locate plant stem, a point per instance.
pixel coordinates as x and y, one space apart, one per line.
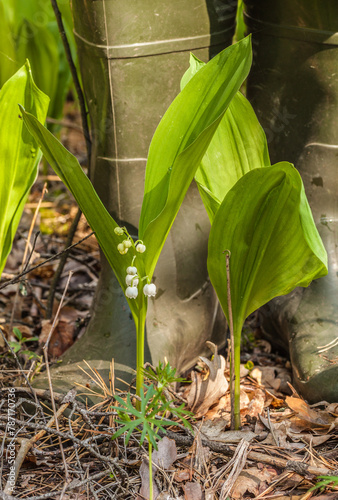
237 385
150 471
140 337
232 345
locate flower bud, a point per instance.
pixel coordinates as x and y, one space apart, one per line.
119 231
140 248
126 243
121 248
131 280
149 290
131 270
131 292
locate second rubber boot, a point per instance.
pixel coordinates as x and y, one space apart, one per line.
132 56
293 87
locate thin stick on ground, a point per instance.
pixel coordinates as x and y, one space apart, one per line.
45 352
23 264
232 341
239 460
85 128
54 257
62 263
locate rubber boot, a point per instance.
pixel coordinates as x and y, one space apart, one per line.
132 57
293 87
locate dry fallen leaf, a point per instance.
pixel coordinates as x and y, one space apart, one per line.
256 405
61 339
317 418
244 483
164 457
214 431
204 393
272 377
192 491
182 475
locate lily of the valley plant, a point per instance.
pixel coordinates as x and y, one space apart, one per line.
259 215
176 150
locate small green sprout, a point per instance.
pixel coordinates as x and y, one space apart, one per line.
18 345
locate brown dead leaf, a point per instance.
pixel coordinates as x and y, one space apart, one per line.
61 339
192 491
214 431
164 457
182 475
312 416
205 393
332 408
244 483
256 405
272 378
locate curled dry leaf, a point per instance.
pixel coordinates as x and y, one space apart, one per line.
244 483
316 418
205 393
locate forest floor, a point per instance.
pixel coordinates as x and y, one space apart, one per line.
283 446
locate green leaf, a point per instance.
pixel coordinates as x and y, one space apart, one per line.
37 43
195 65
8 63
17 333
16 346
70 172
266 224
19 153
181 141
238 146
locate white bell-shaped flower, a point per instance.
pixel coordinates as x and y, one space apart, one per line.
119 231
131 280
140 248
131 292
131 270
149 290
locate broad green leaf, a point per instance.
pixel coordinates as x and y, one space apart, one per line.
195 65
238 146
61 73
19 152
182 139
70 172
8 62
37 43
266 224
29 31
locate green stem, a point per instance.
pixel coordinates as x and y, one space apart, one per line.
140 336
150 471
237 363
